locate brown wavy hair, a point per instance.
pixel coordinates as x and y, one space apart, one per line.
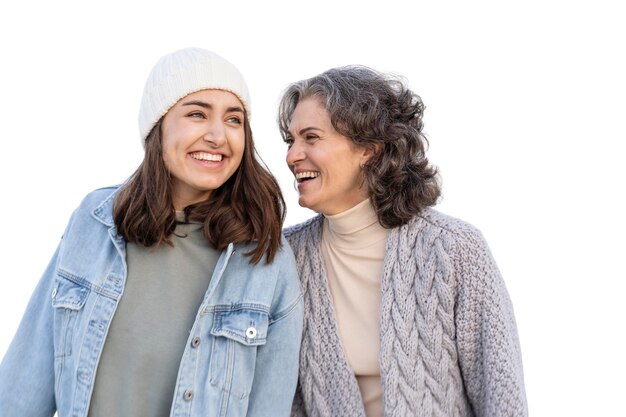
379 112
247 208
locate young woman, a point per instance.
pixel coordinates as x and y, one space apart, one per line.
174 294
406 313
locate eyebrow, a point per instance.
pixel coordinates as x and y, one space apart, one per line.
208 106
306 129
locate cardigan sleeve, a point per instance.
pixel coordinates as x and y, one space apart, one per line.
487 340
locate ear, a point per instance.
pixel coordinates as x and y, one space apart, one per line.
369 152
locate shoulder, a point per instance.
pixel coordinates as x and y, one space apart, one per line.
96 205
307 231
281 267
447 224
86 236
284 259
462 241
453 233
302 228
97 197
274 285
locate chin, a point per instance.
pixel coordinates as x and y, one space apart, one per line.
303 203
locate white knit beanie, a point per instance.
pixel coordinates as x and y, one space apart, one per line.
184 72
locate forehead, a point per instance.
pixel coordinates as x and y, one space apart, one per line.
213 96
309 111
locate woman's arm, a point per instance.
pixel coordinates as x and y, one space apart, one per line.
27 370
487 340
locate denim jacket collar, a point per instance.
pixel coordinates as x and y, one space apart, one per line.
104 214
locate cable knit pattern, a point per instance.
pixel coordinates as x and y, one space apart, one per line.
449 343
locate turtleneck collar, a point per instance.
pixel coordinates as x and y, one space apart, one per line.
356 227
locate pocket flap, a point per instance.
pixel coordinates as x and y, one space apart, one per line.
246 326
68 294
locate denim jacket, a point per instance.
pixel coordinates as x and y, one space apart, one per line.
241 358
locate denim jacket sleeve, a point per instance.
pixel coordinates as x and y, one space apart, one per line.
276 373
27 376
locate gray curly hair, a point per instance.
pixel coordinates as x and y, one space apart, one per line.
379 112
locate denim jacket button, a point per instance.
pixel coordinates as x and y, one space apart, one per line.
195 342
188 395
251 332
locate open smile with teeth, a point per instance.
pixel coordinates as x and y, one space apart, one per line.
205 156
307 175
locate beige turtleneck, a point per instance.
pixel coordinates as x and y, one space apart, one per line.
353 247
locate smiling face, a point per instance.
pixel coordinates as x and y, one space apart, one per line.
326 164
203 141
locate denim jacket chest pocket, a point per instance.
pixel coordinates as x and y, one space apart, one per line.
237 333
68 298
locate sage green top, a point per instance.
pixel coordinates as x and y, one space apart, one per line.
137 372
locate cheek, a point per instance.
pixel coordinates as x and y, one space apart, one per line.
166 152
166 142
239 146
169 154
350 177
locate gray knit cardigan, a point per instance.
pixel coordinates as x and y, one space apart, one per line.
448 339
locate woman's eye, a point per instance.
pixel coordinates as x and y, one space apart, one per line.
288 142
196 114
234 119
312 137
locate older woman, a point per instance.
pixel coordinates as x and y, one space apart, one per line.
406 313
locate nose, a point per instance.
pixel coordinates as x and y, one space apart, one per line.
295 153
215 134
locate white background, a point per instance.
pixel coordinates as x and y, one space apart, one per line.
525 110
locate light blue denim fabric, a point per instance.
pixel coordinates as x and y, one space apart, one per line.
241 358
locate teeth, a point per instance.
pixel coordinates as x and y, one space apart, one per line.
307 174
205 156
